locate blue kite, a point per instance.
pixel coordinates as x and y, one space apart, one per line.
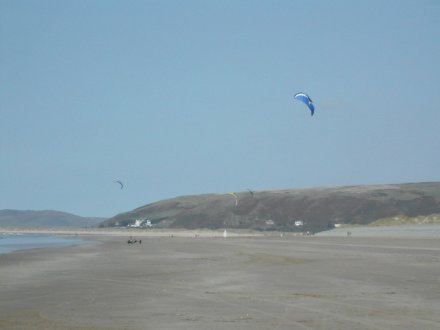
306 100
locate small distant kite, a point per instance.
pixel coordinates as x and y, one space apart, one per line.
122 185
306 100
235 196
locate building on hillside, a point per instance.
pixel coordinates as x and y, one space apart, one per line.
299 223
141 223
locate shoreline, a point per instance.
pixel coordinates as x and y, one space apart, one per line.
429 230
132 232
84 236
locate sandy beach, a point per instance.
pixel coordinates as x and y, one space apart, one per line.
254 282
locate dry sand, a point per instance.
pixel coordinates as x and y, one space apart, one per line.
215 283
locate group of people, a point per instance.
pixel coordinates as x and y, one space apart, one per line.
131 240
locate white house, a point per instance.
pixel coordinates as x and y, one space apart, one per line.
138 223
299 223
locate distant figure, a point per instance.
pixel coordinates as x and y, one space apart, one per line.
348 233
140 241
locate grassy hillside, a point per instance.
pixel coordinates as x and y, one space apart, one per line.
319 208
405 220
47 218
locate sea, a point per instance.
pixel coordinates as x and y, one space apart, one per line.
417 231
10 242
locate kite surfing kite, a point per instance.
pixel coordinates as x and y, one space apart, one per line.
122 185
235 196
304 98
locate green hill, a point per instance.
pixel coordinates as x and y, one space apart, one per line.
318 208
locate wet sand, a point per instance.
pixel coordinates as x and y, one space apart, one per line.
215 283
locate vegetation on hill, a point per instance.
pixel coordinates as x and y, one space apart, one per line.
405 220
316 208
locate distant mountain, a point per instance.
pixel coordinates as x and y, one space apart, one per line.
47 218
317 208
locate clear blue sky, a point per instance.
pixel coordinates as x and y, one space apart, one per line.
188 97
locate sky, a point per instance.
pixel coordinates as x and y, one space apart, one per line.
190 97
